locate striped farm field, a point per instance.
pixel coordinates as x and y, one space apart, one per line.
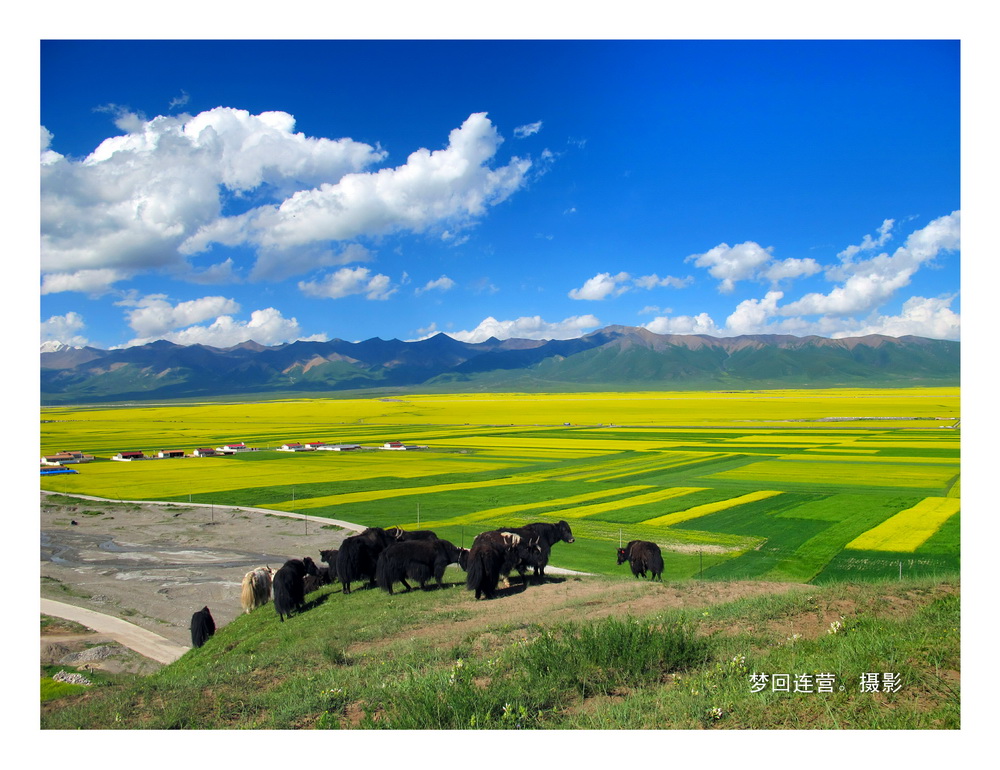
908 530
850 473
765 484
704 510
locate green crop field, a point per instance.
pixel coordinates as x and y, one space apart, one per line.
779 485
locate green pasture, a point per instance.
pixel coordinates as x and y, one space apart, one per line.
833 465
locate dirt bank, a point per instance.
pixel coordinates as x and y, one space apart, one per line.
154 565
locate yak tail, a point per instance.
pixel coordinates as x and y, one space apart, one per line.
482 573
383 575
247 592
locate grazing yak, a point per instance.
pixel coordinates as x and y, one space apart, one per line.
256 589
402 535
494 554
418 560
643 556
547 536
330 558
289 585
358 556
202 627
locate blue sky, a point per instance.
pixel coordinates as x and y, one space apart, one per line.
217 191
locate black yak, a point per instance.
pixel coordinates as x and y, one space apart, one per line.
547 535
402 535
359 554
492 555
289 587
418 560
202 627
330 558
642 556
256 589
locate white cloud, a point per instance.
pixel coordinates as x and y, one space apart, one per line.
266 327
154 317
604 285
152 197
751 316
684 324
85 281
920 316
601 286
527 130
444 283
452 186
532 328
730 264
64 329
868 243
791 268
348 281
869 283
654 281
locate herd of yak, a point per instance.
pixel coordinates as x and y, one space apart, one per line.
384 557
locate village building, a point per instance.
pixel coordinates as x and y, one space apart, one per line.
398 446
66 457
339 447
204 452
229 449
166 453
129 455
294 447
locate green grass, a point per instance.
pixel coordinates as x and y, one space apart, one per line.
359 661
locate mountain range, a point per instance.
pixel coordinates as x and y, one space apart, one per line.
615 357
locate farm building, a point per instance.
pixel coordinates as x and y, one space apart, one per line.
315 444
165 453
339 447
294 448
66 457
229 449
204 452
398 445
129 455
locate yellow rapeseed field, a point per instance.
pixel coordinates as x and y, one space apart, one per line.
707 508
909 529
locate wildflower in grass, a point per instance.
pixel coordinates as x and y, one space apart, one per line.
716 713
835 627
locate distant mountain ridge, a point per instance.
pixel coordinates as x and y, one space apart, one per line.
613 357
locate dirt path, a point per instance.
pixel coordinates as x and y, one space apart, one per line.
155 564
144 642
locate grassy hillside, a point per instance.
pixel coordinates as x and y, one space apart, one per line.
585 653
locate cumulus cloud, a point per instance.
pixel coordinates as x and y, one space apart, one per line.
920 316
601 286
136 198
529 327
684 324
93 282
869 283
444 283
64 329
604 285
348 281
154 317
154 196
266 327
730 264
